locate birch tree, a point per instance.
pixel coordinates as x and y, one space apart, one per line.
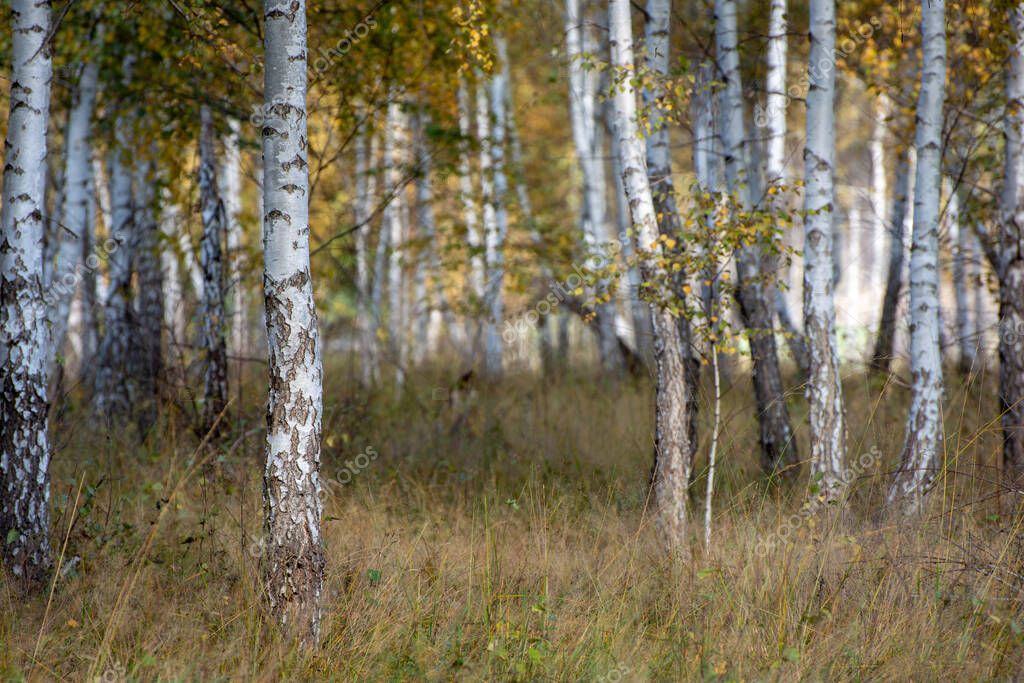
494 239
212 343
1011 262
672 448
582 109
470 213
230 186
24 442
394 224
964 277
885 343
431 303
922 450
174 290
293 567
112 391
824 388
147 351
659 175
366 186
639 327
775 157
778 447
74 210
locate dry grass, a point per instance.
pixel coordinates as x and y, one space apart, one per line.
504 538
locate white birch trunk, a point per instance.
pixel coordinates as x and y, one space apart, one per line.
90 334
639 327
74 211
824 388
365 196
112 392
672 461
1011 263
294 555
959 236
588 146
778 447
433 304
885 345
471 217
395 225
775 157
212 344
492 363
494 238
922 451
175 319
24 442
659 175
775 83
230 186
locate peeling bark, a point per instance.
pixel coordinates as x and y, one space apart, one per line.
24 442
1011 265
112 384
824 387
212 344
293 562
672 449
922 450
778 446
659 176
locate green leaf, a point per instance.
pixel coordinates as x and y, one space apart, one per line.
374 576
791 654
12 536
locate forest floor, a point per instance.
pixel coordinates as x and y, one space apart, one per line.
501 534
